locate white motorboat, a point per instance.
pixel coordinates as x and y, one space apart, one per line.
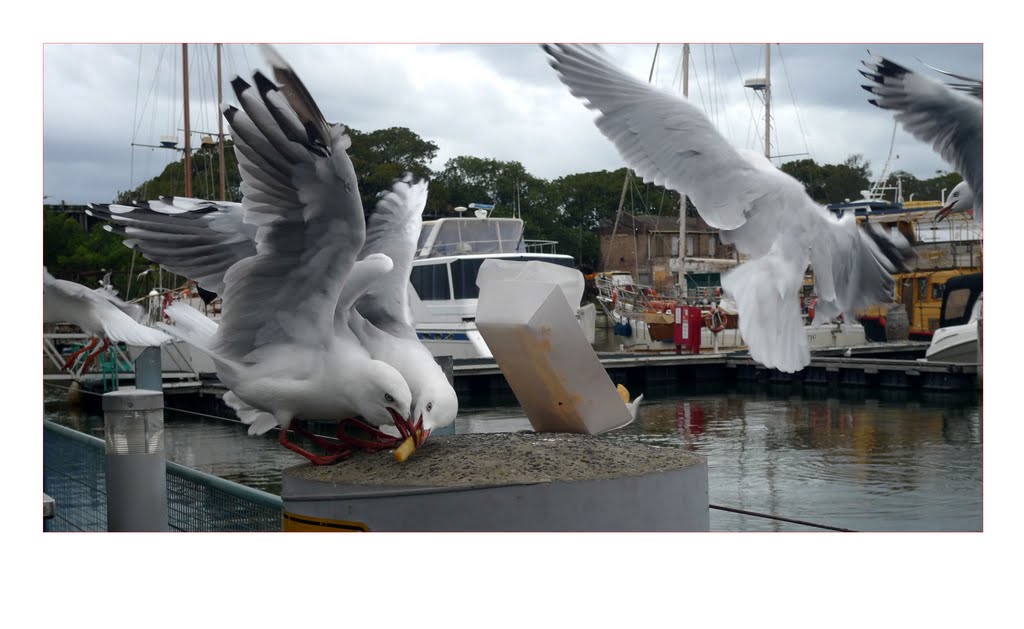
444 273
956 340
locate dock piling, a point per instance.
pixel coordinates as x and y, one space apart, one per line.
135 460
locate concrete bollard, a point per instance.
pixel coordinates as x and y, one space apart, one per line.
148 372
135 460
447 364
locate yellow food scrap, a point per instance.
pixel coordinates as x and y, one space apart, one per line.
623 393
405 450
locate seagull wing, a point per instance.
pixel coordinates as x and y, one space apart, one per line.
198 239
971 85
94 313
393 229
299 190
661 136
135 311
933 112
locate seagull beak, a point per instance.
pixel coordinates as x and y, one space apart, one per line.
421 434
407 428
401 423
944 212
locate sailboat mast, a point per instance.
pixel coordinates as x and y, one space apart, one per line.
767 100
188 131
220 128
682 195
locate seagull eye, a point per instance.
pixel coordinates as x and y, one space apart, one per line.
387 396
430 406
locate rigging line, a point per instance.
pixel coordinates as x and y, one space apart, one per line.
750 104
792 95
779 518
166 408
135 118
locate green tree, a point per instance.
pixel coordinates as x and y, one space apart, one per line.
379 157
831 183
205 178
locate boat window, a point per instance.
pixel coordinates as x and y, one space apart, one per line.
922 288
424 234
956 303
937 291
430 281
511 232
462 236
464 274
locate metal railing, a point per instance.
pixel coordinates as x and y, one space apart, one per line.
74 476
116 361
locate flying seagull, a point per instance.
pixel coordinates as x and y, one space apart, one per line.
766 213
100 314
941 115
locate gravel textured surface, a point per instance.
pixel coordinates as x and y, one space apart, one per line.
503 459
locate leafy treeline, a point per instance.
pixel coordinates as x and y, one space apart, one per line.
568 210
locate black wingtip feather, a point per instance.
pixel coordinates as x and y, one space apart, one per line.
263 84
897 256
239 85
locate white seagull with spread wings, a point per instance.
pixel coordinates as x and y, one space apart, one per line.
766 213
99 313
946 116
202 239
280 348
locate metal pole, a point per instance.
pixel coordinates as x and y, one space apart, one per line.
135 460
682 195
188 130
767 100
220 130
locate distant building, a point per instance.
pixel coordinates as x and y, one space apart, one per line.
647 247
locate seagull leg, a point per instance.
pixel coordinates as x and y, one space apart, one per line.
73 357
337 452
378 440
91 357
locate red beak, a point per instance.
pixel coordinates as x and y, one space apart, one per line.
944 212
407 428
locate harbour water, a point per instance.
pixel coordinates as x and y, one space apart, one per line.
864 460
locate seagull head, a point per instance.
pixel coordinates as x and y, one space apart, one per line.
960 199
387 399
435 407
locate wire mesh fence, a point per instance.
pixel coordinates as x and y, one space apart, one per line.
74 476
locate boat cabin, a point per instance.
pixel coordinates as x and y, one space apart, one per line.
958 299
450 251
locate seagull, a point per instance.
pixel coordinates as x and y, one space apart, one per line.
942 115
202 239
766 213
960 199
99 313
280 348
383 319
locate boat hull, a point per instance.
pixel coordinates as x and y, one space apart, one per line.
955 344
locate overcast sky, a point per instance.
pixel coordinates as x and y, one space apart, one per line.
497 101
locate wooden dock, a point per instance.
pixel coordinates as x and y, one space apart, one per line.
888 366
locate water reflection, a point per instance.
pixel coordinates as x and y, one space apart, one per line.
864 460
866 465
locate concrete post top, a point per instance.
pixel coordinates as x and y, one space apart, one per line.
490 459
132 399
